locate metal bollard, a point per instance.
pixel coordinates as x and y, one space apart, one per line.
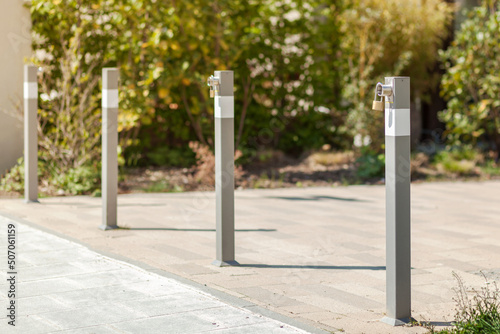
109 185
396 91
30 134
221 88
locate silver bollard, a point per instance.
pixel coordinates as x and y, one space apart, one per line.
30 134
222 89
109 178
397 184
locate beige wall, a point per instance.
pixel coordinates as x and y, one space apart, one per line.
15 46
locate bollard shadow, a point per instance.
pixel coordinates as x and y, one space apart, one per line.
92 206
438 323
193 229
317 198
141 204
289 266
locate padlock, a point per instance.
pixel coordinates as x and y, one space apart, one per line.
213 83
378 105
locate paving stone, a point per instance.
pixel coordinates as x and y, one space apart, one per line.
330 237
176 323
300 308
176 303
47 286
257 328
192 269
108 313
41 258
95 294
40 304
32 324
92 296
267 296
92 330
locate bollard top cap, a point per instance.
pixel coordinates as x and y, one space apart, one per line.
30 73
400 97
110 77
226 85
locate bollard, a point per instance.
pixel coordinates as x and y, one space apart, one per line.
221 88
109 178
397 184
30 134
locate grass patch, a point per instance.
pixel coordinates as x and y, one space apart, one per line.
163 187
332 158
490 168
458 161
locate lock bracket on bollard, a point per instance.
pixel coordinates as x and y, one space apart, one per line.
381 90
214 84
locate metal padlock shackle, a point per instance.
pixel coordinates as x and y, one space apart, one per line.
213 83
381 90
378 91
378 105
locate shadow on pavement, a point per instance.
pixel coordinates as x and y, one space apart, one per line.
289 266
438 323
318 198
92 206
193 229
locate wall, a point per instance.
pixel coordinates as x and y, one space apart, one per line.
15 46
460 6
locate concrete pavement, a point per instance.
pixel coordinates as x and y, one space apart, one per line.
63 287
315 255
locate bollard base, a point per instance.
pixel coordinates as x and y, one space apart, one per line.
107 227
396 322
30 201
219 263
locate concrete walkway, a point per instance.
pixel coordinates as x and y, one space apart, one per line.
315 255
64 287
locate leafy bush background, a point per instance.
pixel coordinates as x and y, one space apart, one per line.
471 84
304 72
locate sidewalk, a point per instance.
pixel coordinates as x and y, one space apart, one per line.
316 255
66 288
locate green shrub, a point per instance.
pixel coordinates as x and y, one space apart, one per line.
370 164
74 181
471 84
462 161
491 168
388 38
14 179
169 156
71 51
77 181
301 67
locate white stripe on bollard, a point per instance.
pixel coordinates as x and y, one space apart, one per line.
397 122
31 90
224 107
110 98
